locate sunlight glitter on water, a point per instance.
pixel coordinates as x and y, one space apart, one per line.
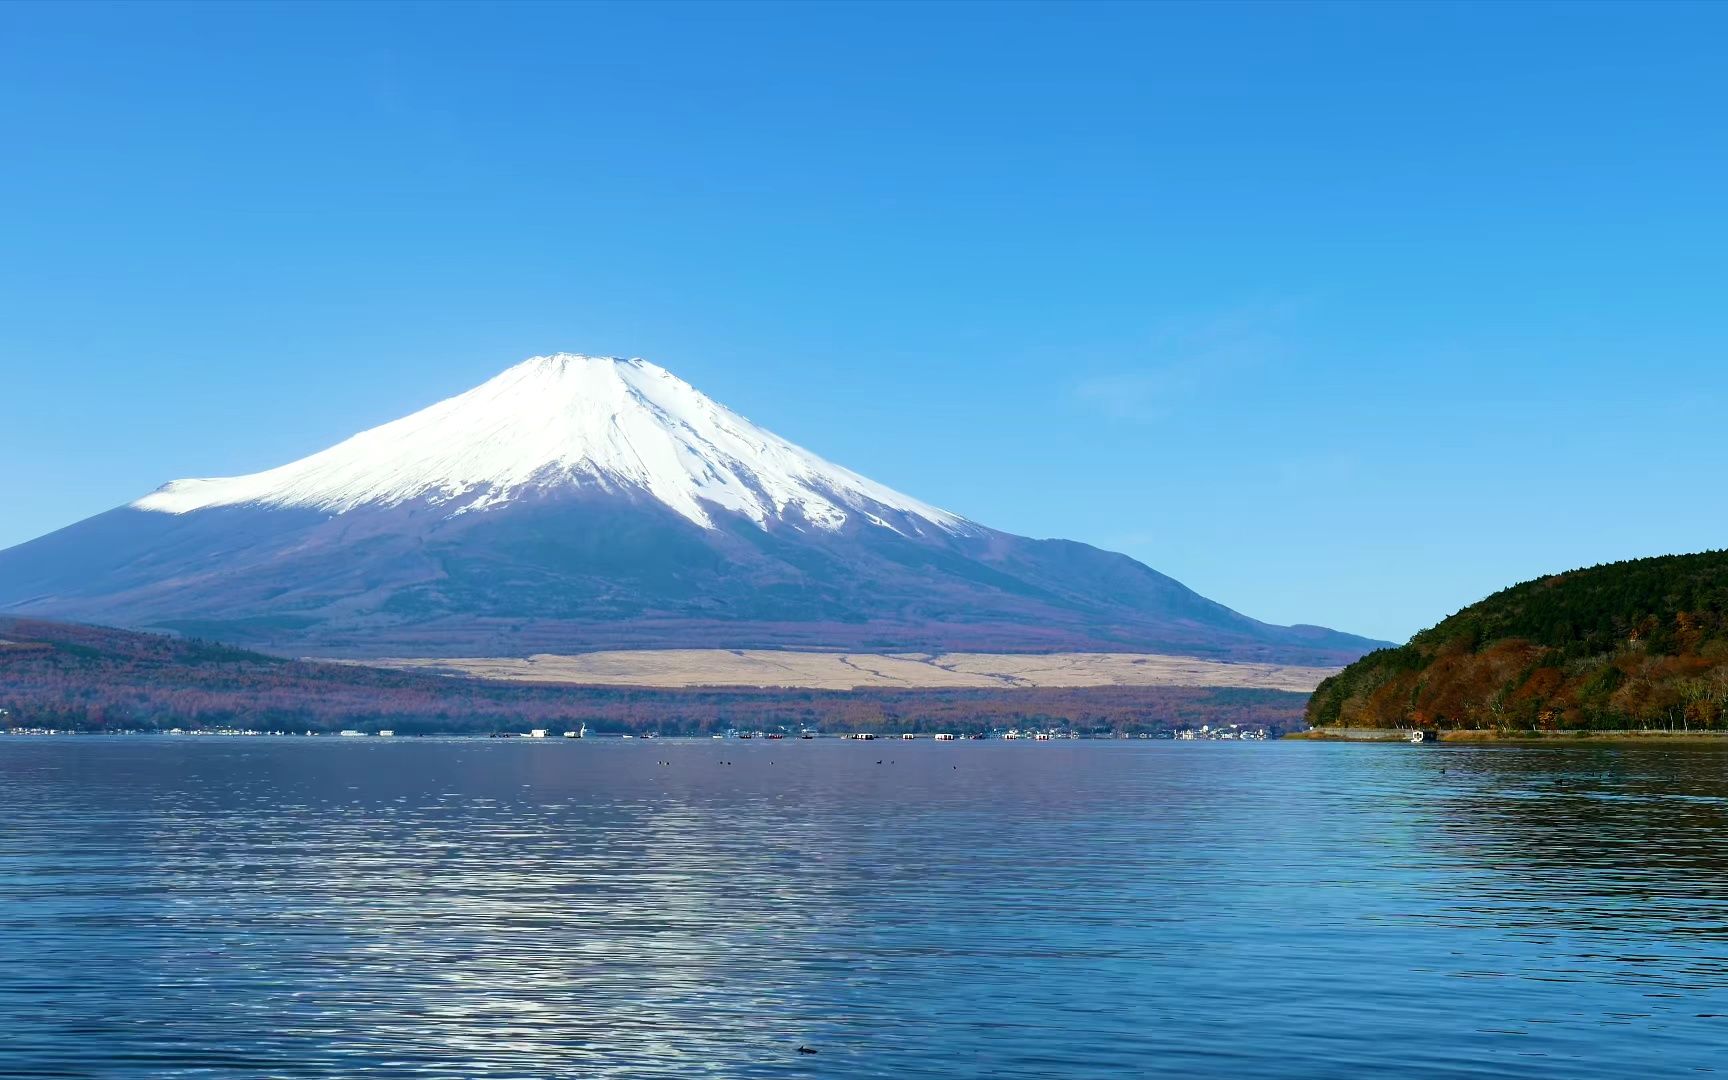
473 908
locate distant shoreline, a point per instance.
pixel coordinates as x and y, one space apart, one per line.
1487 735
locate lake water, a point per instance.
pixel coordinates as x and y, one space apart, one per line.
345 908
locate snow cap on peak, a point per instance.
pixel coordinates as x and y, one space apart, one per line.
560 361
566 420
561 364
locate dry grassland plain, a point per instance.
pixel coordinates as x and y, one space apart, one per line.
769 668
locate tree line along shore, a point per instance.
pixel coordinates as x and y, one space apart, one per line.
1635 649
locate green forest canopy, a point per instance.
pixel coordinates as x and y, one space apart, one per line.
1642 643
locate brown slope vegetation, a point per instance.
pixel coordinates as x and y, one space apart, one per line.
71 676
1635 644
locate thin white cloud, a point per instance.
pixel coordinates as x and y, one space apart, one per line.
1179 362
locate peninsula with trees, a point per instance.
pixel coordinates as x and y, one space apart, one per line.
1635 646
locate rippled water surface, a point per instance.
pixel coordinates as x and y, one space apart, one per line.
329 907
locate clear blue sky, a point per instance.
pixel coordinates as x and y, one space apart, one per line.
1340 314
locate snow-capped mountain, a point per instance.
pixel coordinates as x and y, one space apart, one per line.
575 503
569 422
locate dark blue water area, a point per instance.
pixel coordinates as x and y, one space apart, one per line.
324 907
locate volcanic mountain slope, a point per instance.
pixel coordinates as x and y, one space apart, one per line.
575 503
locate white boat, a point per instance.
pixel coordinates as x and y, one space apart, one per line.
352 734
537 733
386 733
945 737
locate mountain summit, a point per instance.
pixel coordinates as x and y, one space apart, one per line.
575 503
569 422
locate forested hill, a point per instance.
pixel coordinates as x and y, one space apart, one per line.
1634 644
60 675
